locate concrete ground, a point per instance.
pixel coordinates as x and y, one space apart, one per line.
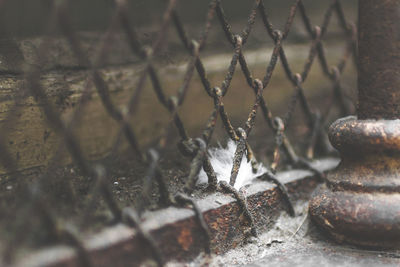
297 242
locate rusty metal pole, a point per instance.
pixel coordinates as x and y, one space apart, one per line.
360 202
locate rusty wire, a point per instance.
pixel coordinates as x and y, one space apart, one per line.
194 148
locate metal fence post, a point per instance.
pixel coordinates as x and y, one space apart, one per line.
360 202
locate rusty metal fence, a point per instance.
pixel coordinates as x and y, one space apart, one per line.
194 148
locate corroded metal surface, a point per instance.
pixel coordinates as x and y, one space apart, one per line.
360 202
178 235
368 219
379 59
370 155
351 135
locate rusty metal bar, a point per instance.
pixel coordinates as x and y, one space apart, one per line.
360 202
176 230
379 59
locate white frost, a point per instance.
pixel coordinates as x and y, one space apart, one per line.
222 161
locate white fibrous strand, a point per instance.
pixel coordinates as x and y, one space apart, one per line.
221 159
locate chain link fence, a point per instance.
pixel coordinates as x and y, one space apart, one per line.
33 199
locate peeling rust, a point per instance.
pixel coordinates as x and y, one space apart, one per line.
180 237
360 202
185 239
367 219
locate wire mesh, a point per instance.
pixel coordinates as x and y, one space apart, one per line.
33 211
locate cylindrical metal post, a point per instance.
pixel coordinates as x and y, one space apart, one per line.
360 202
379 59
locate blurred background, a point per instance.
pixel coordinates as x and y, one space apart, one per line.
33 144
